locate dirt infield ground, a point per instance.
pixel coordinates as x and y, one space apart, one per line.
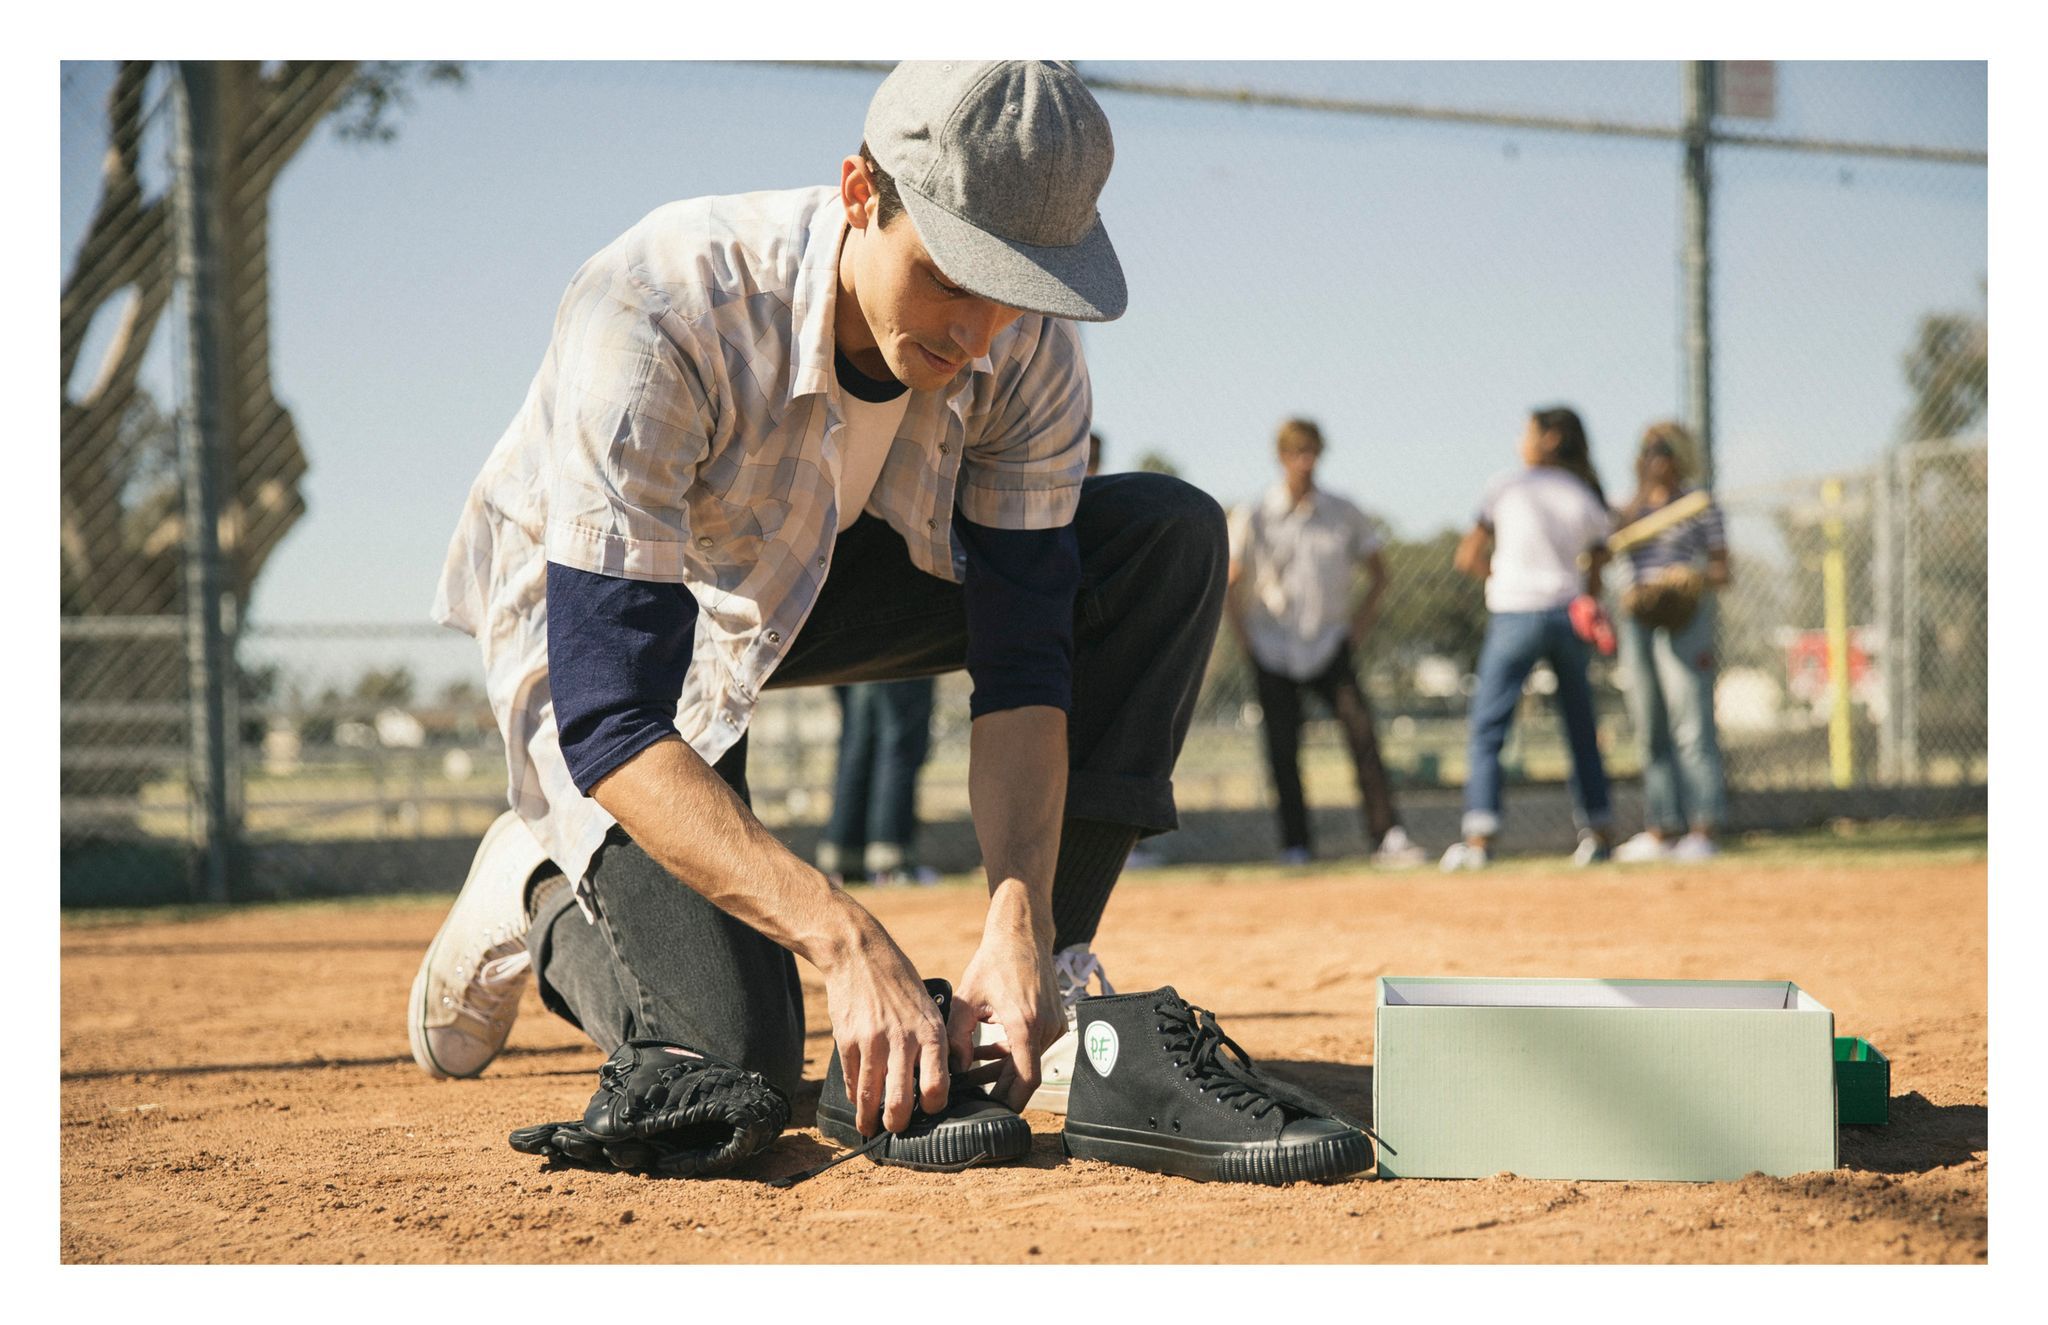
237 1086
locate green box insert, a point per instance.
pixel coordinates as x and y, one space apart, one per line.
1863 1082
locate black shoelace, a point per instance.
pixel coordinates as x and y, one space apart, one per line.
1199 1047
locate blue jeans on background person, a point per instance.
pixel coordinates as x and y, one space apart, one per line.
1670 687
1515 643
884 736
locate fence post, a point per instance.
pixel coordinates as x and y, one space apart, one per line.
1699 263
200 423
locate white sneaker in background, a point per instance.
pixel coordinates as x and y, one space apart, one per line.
1396 851
1072 969
1694 846
1462 856
1642 847
1592 851
466 995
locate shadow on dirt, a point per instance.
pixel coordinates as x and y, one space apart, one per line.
1347 1087
302 1065
1921 1136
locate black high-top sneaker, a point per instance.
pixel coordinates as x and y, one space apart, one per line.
1159 1086
971 1129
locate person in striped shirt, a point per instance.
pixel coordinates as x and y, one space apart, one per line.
1670 670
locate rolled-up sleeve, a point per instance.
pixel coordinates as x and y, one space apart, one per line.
1019 589
633 420
1024 469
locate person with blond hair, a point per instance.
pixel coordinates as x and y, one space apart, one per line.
1293 556
1668 655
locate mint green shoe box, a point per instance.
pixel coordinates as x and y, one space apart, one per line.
1644 1080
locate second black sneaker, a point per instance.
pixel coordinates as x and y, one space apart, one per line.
971 1129
1159 1086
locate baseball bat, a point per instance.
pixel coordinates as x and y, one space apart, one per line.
1657 521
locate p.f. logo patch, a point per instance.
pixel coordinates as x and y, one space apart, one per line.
1100 1041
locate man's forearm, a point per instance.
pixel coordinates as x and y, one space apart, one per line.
1596 565
682 814
1017 792
1368 611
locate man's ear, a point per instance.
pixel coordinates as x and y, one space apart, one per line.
857 192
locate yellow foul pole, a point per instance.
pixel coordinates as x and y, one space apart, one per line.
1835 591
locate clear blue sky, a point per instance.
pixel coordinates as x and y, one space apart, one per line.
1415 287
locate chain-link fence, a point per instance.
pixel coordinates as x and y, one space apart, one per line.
1851 641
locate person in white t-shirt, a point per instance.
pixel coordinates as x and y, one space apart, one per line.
1539 541
1294 554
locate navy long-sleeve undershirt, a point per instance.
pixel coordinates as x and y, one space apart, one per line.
618 649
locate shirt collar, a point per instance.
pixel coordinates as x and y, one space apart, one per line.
1280 502
816 295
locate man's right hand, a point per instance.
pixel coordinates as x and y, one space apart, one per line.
887 1030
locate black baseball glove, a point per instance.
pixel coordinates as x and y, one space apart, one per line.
667 1109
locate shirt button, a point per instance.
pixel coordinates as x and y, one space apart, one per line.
729 720
704 542
821 563
945 449
774 638
931 524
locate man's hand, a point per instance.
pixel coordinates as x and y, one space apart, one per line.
1009 981
883 1020
887 1028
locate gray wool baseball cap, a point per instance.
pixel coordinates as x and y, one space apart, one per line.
999 163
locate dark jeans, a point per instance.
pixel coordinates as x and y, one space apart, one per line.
661 962
1515 642
885 731
1280 701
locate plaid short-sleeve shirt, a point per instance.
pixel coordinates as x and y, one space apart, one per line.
684 428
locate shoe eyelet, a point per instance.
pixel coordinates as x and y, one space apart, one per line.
1152 1123
1176 1124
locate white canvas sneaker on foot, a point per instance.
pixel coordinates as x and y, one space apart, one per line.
1642 847
1462 856
466 996
1397 852
1694 846
1072 969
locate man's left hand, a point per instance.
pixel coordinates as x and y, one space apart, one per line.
1009 982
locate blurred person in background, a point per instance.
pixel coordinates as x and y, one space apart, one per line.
1294 555
1539 544
885 732
1667 649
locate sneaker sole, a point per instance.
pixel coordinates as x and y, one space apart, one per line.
416 1028
1221 1161
991 1141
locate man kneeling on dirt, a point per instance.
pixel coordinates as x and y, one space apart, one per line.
808 438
